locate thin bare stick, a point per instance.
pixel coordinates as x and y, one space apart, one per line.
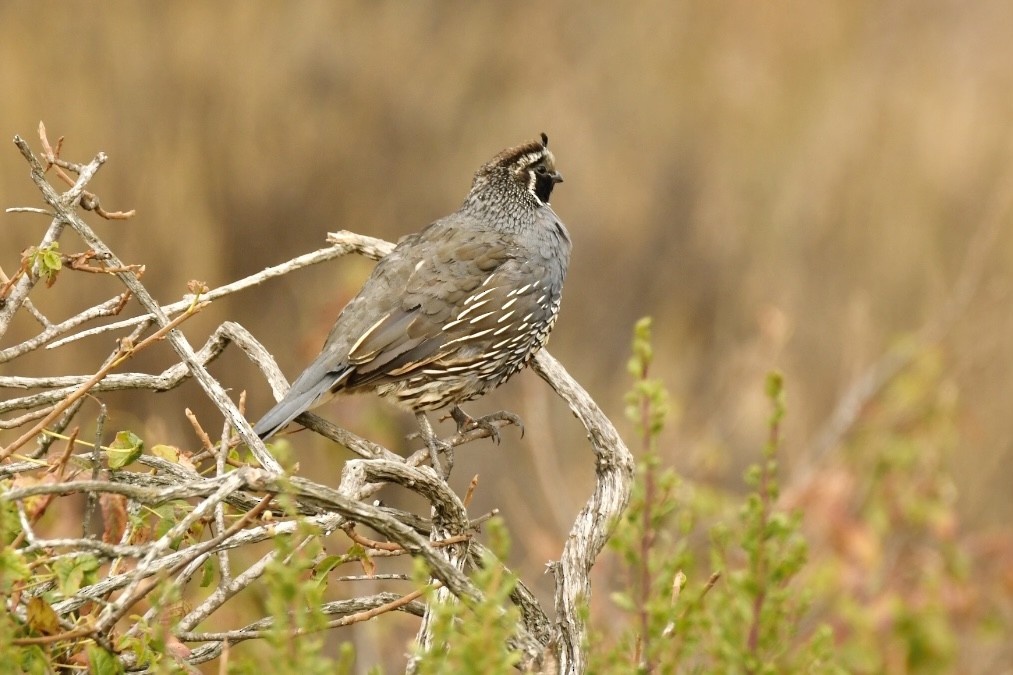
305 260
173 376
110 307
124 353
19 293
370 543
89 201
375 605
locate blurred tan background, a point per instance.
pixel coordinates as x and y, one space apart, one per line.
781 185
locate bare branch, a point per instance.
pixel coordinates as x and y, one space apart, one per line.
125 352
145 495
305 260
343 608
19 293
262 628
614 468
108 308
61 387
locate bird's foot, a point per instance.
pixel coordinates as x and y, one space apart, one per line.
466 422
436 446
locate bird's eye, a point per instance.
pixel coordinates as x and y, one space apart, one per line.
541 169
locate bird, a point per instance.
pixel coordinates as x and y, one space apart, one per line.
455 309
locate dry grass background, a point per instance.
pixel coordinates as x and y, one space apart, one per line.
781 185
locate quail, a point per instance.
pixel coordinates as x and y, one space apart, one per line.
455 309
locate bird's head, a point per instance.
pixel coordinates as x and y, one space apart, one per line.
529 167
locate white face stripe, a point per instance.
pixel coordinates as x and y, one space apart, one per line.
525 162
532 157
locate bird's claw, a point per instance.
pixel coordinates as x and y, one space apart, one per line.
466 422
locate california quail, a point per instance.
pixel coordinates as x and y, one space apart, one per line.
454 310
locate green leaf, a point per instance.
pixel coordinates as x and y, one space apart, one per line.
12 568
166 452
48 260
323 567
775 384
168 516
101 662
73 573
52 262
208 573
125 449
33 661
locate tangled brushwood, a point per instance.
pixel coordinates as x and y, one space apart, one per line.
158 522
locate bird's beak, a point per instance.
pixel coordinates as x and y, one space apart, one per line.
556 177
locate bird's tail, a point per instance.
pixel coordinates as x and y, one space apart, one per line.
308 391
